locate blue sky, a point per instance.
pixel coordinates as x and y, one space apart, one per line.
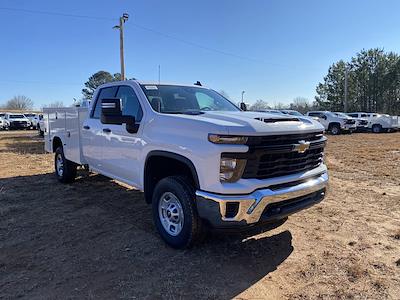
274 50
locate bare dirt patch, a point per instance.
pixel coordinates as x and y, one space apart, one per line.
95 238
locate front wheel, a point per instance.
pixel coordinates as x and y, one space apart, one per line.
174 212
335 129
65 169
376 128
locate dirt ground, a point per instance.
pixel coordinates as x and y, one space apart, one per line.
95 238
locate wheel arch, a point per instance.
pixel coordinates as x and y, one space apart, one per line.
56 142
169 164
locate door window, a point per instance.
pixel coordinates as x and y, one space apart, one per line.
130 103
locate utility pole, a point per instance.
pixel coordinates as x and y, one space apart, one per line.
346 75
122 21
242 95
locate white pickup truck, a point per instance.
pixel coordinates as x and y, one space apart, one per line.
201 161
334 123
378 122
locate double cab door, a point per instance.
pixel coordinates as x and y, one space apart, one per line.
110 149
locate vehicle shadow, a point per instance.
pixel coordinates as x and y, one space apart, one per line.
96 239
25 143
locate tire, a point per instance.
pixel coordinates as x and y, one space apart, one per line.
65 169
175 214
376 128
334 129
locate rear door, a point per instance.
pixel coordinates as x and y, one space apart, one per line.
92 131
121 148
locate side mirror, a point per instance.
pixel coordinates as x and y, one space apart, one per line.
243 106
323 117
111 113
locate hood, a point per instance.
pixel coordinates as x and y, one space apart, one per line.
257 123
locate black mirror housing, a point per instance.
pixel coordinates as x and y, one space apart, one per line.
111 113
243 106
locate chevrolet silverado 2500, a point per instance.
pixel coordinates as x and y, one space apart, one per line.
200 160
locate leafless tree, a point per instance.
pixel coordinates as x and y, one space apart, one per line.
19 102
54 104
259 105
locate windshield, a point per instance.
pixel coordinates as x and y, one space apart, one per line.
292 112
173 99
29 115
342 115
16 116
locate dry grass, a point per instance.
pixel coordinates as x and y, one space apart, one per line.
95 238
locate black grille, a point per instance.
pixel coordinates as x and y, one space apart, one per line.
350 121
363 122
18 123
274 156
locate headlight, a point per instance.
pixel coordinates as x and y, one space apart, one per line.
227 139
231 169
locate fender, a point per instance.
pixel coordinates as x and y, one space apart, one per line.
178 157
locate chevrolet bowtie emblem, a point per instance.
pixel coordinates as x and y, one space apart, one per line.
302 146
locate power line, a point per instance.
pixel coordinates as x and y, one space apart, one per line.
39 82
166 35
50 13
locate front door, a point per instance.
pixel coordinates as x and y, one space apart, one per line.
92 131
122 149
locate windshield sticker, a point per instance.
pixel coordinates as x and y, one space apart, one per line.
150 87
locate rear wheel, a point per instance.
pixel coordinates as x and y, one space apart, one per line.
65 169
174 212
376 128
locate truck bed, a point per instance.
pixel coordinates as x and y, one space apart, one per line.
66 123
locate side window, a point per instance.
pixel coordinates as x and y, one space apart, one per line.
104 93
130 102
353 115
364 116
314 114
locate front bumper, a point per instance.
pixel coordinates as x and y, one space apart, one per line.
264 205
348 127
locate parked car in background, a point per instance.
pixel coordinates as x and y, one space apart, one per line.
291 112
41 126
33 118
4 124
361 123
333 123
378 122
17 121
200 160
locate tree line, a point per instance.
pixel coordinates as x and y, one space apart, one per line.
373 83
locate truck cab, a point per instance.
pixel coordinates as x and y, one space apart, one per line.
201 162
